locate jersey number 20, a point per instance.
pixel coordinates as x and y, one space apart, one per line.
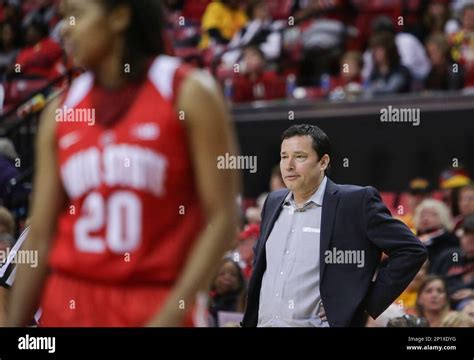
120 213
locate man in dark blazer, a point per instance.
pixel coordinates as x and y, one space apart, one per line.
318 258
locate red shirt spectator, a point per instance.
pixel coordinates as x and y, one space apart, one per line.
253 82
40 58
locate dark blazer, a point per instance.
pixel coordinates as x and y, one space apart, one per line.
353 218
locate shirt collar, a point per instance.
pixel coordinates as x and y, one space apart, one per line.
316 198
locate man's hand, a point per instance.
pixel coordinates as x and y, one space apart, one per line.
322 313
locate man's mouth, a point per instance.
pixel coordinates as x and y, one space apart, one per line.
291 177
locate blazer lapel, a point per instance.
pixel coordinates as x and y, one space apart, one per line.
328 216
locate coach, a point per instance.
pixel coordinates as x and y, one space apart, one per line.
317 260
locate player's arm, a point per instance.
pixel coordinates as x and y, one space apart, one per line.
210 134
48 197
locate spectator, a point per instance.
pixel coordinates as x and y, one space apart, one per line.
444 74
433 227
436 19
276 181
247 240
462 43
10 45
411 51
457 265
466 205
260 31
451 181
221 20
407 300
254 82
349 83
432 302
419 189
457 319
41 52
389 76
227 290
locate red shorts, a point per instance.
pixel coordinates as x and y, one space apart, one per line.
71 302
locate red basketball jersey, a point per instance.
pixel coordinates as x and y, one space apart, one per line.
133 211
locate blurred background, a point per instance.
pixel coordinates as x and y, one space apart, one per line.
338 64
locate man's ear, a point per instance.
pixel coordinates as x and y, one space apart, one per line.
325 160
120 19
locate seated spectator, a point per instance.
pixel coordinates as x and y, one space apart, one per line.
457 319
247 240
465 205
462 43
411 52
389 76
260 31
443 75
433 302
419 189
12 12
407 299
456 265
436 19
349 83
253 82
9 46
276 180
221 20
451 180
433 227
227 290
408 321
41 52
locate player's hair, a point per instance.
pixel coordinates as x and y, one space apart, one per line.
145 35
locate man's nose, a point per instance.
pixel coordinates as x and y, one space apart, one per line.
290 164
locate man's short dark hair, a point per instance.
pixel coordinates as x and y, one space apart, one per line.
321 143
468 224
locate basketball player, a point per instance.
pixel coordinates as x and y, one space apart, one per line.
130 212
